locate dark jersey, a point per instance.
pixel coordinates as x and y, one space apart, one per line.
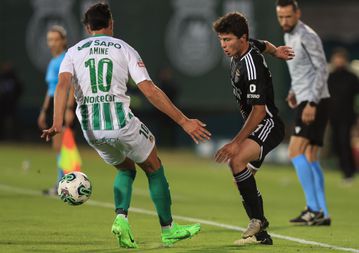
252 81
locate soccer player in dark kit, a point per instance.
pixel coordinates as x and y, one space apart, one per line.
263 130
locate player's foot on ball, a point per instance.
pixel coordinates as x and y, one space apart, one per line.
254 227
179 232
122 230
260 238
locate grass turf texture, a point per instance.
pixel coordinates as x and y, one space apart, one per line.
200 189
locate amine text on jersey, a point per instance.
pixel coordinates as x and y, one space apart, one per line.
101 67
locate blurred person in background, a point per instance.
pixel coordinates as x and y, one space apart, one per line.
309 96
57 43
102 66
10 92
343 87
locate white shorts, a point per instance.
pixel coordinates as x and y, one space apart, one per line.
134 141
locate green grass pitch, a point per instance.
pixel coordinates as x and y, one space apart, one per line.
200 189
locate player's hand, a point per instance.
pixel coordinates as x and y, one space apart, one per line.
284 52
291 99
226 153
69 117
196 129
47 134
41 120
308 114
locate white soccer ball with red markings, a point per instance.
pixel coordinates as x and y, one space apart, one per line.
74 188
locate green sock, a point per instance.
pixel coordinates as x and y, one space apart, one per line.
161 196
122 188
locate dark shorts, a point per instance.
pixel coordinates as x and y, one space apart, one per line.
268 135
314 132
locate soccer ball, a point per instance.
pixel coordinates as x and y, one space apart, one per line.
74 188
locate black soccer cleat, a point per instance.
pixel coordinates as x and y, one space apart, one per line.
307 217
324 221
264 238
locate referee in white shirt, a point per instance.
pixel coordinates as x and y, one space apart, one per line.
309 97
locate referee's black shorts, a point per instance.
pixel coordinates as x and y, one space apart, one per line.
268 135
314 132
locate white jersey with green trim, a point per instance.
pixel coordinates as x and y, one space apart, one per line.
101 67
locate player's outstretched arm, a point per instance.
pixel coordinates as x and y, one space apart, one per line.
282 52
60 100
193 127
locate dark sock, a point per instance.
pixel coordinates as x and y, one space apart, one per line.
261 203
248 210
248 189
160 194
123 190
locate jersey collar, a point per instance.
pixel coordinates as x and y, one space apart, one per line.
100 34
248 51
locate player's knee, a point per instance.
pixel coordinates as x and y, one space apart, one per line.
311 157
294 151
151 164
237 164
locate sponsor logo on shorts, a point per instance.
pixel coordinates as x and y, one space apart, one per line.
253 96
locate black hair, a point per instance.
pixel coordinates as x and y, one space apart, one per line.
284 3
98 16
233 22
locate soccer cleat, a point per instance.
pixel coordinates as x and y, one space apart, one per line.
260 238
179 232
307 217
254 227
122 230
322 221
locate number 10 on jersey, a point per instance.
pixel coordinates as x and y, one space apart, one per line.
96 79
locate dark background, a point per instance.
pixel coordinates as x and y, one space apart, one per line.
175 34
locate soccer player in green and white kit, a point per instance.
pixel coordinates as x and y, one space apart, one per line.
101 66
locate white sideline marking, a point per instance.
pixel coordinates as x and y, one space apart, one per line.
190 219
